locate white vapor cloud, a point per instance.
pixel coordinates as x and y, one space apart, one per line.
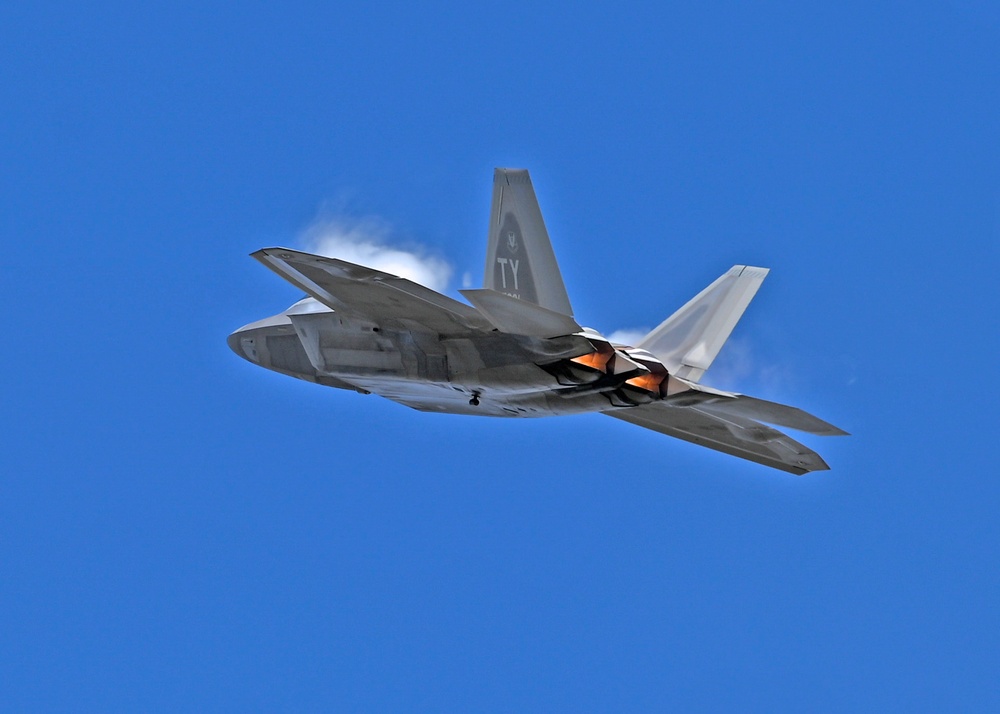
628 336
734 365
739 368
366 241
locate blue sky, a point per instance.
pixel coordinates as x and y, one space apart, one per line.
182 531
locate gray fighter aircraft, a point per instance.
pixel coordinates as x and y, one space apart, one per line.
517 351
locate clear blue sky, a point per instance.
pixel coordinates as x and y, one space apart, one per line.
181 531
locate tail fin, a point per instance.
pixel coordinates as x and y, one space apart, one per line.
519 257
689 340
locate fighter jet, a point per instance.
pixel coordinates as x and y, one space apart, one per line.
516 350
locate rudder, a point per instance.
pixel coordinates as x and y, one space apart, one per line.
520 261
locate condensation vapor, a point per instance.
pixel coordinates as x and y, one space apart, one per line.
369 242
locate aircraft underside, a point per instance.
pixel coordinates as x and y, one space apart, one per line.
483 375
515 349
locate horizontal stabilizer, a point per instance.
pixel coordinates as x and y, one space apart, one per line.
772 413
734 435
517 317
689 340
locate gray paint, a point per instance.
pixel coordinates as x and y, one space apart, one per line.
519 257
373 332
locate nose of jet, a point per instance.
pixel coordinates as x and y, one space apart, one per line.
247 341
243 343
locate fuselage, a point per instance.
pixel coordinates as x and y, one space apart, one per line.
485 374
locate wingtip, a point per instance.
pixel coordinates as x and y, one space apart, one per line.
808 462
262 252
274 249
813 468
281 252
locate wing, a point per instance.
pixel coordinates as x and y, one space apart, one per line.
357 291
731 434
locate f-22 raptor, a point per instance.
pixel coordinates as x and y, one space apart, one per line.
516 350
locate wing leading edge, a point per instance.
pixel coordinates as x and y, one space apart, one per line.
772 413
357 291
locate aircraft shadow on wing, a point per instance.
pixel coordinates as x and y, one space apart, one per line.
517 351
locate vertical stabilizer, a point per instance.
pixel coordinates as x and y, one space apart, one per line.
519 258
689 340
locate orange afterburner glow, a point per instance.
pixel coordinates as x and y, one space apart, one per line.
649 382
595 360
